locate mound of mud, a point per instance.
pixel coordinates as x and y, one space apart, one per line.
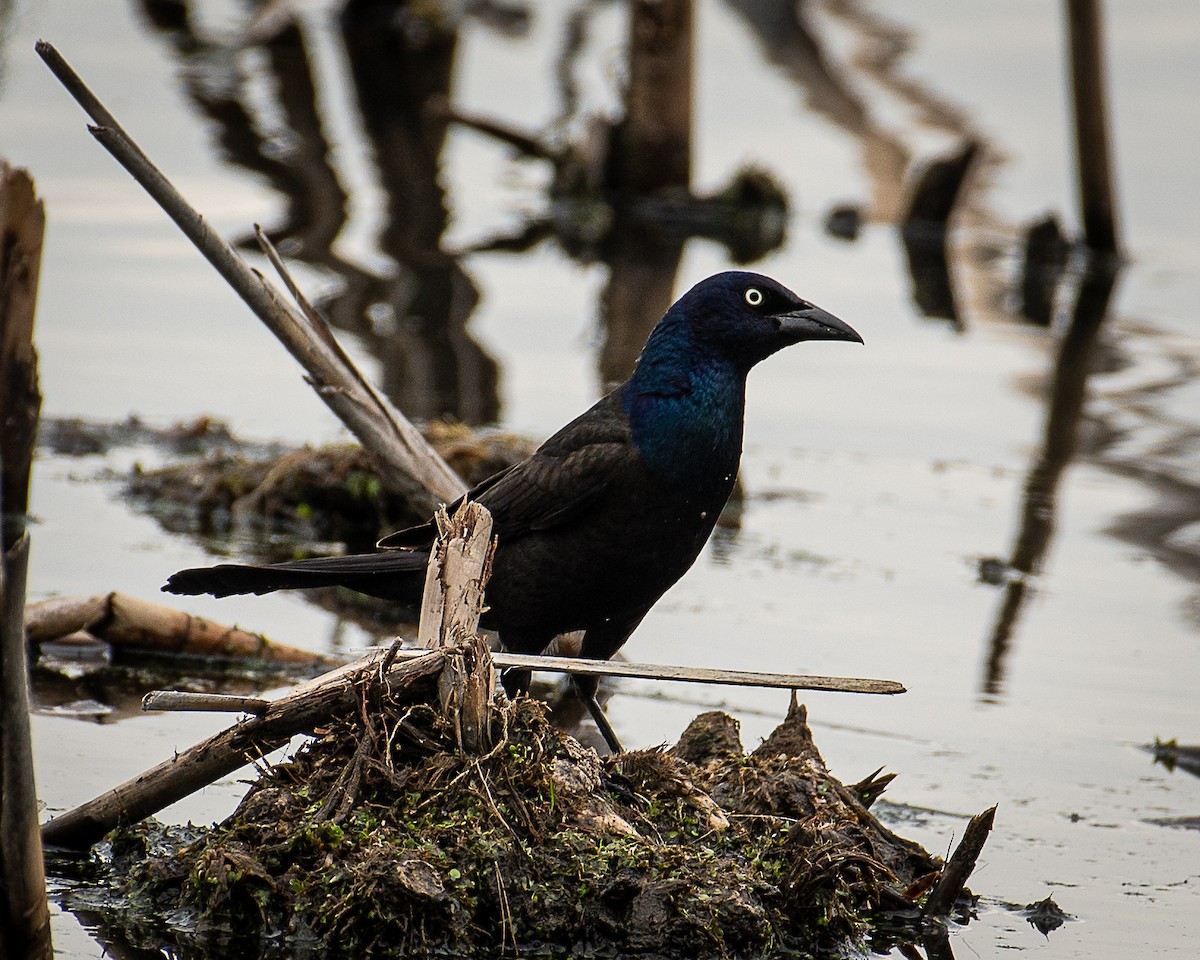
384 833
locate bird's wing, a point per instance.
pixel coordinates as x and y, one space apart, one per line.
552 489
423 534
562 478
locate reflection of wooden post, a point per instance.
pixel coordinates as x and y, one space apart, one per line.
658 118
24 914
1091 125
1068 395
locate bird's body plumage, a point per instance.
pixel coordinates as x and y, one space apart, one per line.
615 507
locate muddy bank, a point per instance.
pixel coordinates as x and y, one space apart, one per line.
383 833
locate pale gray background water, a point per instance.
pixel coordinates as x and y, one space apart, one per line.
877 477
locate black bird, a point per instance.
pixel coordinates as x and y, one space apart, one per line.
615 507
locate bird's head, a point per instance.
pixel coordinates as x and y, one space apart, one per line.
746 317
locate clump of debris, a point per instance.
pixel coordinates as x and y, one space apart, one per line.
312 495
385 831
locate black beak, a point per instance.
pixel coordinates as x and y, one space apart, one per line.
813 323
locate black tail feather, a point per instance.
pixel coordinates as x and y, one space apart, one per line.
391 575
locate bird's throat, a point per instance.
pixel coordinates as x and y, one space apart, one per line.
687 421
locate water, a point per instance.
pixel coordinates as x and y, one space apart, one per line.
879 479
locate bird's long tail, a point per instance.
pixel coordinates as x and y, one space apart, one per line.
390 574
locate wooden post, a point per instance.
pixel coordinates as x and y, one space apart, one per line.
1088 86
458 568
24 914
657 131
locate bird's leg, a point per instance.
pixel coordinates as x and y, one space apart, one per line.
585 689
516 682
600 642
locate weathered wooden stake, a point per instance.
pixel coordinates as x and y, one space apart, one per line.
459 566
24 913
1088 87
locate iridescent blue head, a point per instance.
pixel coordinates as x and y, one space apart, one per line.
739 318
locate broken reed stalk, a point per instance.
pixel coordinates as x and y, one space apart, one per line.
24 912
306 706
958 868
130 623
409 465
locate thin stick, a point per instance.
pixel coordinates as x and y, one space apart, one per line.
409 464
184 700
654 671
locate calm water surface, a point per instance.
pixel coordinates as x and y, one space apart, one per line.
880 481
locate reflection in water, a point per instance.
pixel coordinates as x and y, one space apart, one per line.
788 40
620 192
1044 259
1068 391
413 318
924 233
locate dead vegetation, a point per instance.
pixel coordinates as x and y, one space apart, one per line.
383 832
312 494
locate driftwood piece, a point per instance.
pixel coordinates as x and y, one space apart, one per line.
408 463
306 706
134 624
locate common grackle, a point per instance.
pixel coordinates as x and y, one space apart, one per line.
615 507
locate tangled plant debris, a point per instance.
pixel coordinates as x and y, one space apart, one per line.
383 832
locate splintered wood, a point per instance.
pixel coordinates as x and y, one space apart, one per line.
458 570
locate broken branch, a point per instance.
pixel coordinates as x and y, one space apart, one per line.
408 463
307 705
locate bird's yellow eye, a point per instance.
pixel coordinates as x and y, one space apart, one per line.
754 297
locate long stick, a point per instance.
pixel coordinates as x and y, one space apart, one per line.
655 671
410 465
